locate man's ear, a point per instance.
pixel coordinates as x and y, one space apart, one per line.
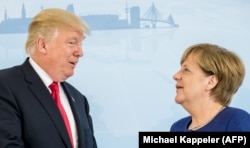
212 82
41 45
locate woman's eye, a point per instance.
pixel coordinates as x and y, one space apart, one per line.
185 70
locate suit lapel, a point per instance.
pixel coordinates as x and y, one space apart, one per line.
77 109
80 111
42 94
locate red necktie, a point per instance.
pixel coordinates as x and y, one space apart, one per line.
55 94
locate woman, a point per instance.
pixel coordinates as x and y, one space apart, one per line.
209 77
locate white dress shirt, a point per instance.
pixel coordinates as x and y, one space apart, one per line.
65 103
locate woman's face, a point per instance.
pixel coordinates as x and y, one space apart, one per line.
191 82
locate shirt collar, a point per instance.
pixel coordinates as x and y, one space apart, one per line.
41 73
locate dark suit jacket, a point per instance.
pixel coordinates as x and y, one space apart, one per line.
29 117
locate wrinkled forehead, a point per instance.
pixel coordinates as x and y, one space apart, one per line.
61 31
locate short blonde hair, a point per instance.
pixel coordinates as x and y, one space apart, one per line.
224 64
45 23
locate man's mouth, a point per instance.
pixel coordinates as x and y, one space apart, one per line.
73 63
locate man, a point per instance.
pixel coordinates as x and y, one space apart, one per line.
29 116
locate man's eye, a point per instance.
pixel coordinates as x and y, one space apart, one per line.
72 43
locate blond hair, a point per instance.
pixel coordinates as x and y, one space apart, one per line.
45 23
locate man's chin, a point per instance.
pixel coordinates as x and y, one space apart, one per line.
69 74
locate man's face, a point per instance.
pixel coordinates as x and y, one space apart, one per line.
63 53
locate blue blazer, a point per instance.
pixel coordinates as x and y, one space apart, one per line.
29 117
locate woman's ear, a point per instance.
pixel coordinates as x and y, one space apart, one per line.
212 82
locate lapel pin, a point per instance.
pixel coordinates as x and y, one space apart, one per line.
73 99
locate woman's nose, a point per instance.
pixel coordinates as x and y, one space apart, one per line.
176 76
